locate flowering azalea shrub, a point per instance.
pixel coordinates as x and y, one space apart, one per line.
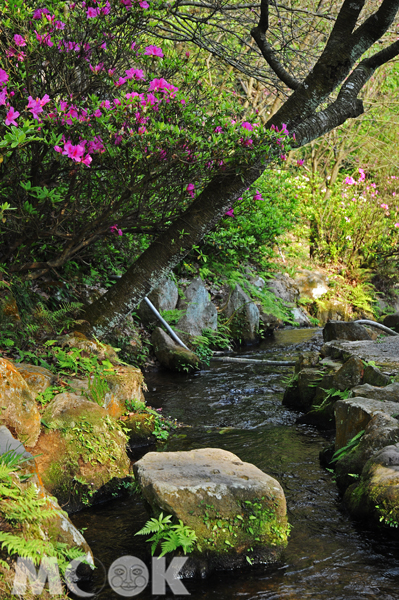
102 132
358 224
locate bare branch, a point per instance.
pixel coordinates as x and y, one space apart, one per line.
259 35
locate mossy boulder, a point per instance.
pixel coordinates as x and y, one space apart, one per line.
171 355
375 496
237 512
125 384
243 316
381 431
37 378
81 455
389 392
373 376
90 347
349 375
354 414
139 428
120 386
344 330
18 410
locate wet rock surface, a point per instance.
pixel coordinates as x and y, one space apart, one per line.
199 312
344 330
385 353
208 486
243 315
354 414
19 411
171 355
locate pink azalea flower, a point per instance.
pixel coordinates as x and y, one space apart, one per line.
396 225
258 196
230 212
3 77
247 126
97 113
3 96
134 73
104 46
39 12
11 116
218 129
87 160
300 162
153 51
97 68
384 206
106 9
114 229
19 40
144 4
59 25
74 152
350 181
120 81
246 143
57 148
190 189
92 13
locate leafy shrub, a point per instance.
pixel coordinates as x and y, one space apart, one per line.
266 210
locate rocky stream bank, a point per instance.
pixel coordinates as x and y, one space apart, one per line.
76 434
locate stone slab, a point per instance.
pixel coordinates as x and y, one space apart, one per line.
385 354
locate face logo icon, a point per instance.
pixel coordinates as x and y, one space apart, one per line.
128 576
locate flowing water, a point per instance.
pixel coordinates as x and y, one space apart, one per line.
238 407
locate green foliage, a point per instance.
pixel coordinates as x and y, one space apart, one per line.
209 340
98 388
252 233
161 426
349 223
170 536
350 446
28 514
172 316
332 393
45 397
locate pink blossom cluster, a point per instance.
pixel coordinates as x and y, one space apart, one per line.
114 229
74 152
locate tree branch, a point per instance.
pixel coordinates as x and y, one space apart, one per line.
259 35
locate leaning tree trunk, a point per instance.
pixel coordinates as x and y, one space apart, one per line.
303 116
167 251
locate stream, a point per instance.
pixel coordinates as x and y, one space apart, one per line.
238 408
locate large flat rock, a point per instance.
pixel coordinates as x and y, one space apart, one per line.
235 509
354 414
385 354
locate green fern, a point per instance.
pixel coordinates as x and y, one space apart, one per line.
174 536
21 507
58 319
